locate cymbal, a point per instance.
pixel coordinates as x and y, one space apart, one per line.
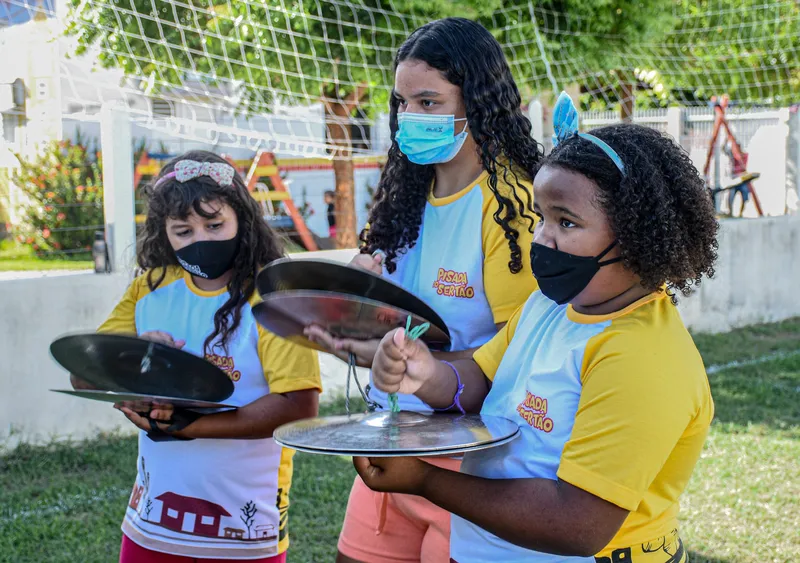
114 397
127 364
287 313
326 275
386 434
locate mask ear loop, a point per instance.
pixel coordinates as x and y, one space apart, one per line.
606 251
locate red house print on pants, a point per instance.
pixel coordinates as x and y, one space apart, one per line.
207 515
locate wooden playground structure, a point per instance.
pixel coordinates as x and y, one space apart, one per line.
743 180
263 166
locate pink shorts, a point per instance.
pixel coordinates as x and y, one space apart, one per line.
392 528
132 552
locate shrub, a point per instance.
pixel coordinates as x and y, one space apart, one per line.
65 198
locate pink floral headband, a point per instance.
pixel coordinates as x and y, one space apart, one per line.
186 170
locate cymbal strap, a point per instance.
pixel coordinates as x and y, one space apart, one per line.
411 334
181 418
352 372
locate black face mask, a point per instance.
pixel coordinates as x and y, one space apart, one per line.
208 259
563 276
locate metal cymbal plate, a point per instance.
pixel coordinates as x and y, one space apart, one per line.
287 313
386 434
291 274
127 364
114 397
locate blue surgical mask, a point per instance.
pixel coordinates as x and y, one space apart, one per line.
429 139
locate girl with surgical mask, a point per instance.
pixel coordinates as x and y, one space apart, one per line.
451 223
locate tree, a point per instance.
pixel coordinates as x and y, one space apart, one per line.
333 52
339 52
747 49
587 42
677 52
248 512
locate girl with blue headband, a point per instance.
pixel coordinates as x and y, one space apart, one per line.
596 368
451 223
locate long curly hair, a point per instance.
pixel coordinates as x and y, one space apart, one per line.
258 244
660 210
469 57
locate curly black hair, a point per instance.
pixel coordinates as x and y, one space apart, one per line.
469 57
660 210
258 244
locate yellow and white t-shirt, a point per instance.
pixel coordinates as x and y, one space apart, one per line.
459 267
213 498
617 405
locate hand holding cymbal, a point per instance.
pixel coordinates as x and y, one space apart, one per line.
402 365
348 303
404 475
162 411
163 338
369 263
363 350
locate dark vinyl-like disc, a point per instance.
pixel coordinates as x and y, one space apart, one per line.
287 313
315 274
127 364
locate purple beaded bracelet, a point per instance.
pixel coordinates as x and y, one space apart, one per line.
459 390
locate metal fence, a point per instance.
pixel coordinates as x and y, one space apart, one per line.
697 123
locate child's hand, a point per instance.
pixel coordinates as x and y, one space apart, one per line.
364 350
137 413
402 365
80 384
162 338
405 475
373 264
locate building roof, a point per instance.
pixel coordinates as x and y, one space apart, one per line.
190 504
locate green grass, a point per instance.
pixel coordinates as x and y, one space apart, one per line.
17 258
63 503
750 342
38 264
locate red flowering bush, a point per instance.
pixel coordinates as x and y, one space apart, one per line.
65 198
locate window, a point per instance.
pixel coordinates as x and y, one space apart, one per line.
172 513
207 520
360 132
10 127
162 108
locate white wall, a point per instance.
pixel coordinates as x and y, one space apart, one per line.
36 312
757 276
757 280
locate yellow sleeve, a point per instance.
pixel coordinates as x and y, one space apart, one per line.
123 318
505 291
489 355
640 396
287 367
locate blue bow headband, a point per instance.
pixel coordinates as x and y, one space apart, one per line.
565 124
